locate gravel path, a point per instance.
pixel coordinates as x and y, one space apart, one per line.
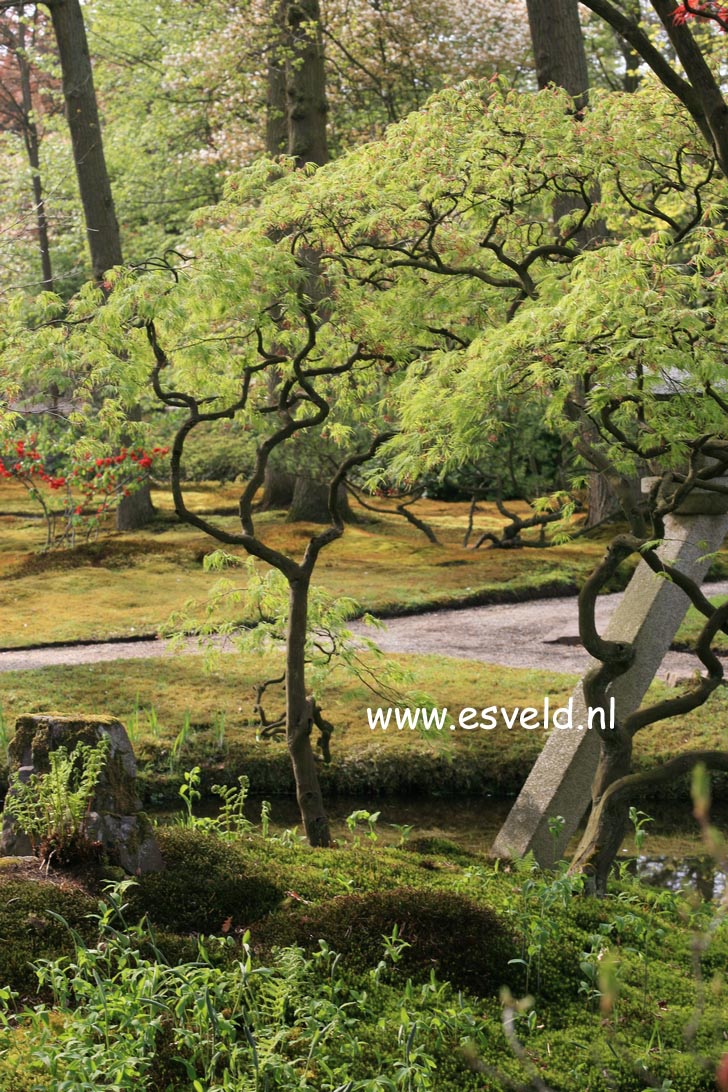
541 634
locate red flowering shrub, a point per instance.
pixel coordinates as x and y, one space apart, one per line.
701 9
89 489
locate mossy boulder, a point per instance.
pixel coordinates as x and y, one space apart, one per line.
116 819
463 942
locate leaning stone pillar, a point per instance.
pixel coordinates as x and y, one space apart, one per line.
649 615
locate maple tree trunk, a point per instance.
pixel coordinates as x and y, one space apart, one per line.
606 825
299 720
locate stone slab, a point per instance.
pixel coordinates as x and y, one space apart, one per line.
649 615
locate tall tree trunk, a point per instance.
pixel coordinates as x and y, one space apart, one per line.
32 147
631 57
299 720
560 56
602 502
102 228
306 84
278 489
558 46
137 509
278 484
82 114
296 124
276 111
306 95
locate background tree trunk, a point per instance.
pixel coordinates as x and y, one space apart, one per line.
306 95
306 84
601 501
560 56
296 124
82 114
102 228
32 147
310 503
558 46
276 107
136 510
278 489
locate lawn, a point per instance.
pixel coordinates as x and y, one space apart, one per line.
180 713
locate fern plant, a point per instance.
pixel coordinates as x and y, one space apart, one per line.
53 808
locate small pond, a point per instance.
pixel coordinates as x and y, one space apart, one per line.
672 855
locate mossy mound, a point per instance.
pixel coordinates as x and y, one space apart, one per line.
30 931
207 883
108 553
428 921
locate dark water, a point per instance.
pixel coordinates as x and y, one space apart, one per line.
672 855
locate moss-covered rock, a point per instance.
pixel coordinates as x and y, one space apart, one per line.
115 820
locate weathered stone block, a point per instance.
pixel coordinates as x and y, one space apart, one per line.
116 819
648 617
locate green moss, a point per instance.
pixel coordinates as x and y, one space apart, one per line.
439 847
355 926
205 883
29 931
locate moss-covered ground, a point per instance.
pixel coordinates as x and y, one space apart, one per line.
124 585
398 961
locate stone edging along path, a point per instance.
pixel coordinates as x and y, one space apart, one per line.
540 634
